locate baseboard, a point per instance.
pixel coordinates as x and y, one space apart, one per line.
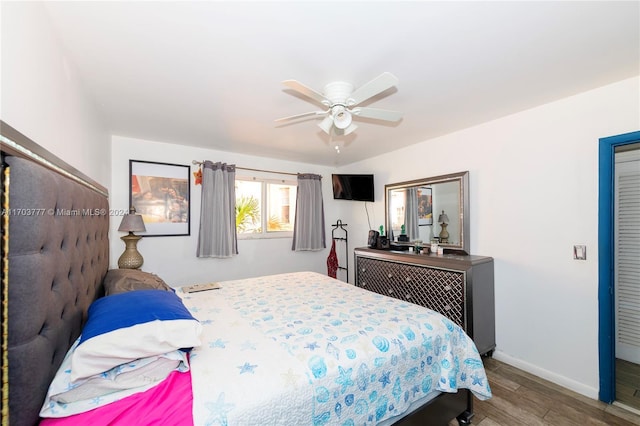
626 407
558 379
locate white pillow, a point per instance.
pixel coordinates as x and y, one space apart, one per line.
128 326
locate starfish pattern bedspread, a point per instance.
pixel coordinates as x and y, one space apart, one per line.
303 348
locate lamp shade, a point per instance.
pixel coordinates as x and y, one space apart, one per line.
132 223
349 129
326 124
342 118
443 218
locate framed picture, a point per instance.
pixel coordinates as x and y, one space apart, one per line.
425 206
160 193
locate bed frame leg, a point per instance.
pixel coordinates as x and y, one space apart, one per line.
465 418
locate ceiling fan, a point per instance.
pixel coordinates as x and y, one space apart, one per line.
341 101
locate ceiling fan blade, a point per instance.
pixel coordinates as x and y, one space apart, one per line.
305 114
377 113
384 81
307 91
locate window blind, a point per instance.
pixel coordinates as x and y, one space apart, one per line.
627 256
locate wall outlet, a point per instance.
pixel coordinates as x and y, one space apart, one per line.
580 252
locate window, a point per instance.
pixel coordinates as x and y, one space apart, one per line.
265 208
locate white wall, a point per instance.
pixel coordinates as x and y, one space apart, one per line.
534 194
173 258
42 96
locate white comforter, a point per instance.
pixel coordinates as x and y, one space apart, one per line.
305 349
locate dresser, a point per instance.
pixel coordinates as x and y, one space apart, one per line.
459 287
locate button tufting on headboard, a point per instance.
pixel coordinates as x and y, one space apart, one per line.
52 281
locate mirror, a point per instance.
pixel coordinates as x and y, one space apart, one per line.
428 209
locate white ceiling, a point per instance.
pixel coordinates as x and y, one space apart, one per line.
209 74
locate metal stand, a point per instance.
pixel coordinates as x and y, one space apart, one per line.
339 233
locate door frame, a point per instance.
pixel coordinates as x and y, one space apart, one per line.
606 259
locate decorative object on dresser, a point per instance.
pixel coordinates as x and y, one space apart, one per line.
458 286
403 237
443 220
383 242
131 257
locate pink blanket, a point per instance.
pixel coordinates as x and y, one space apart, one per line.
170 402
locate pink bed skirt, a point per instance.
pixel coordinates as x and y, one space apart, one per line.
168 403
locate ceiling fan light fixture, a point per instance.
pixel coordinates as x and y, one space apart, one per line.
349 129
342 118
343 103
326 124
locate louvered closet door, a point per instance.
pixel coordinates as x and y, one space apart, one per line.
627 256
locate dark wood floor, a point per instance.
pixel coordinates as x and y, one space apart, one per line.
520 398
628 383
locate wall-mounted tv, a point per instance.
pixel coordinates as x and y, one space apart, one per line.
352 187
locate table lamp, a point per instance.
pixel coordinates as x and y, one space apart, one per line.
131 258
443 219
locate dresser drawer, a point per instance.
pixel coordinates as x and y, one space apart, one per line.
437 289
460 287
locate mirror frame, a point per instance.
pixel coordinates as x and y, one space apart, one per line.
463 178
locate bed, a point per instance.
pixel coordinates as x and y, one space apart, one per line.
298 348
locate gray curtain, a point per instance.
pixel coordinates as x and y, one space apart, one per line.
308 229
411 213
217 236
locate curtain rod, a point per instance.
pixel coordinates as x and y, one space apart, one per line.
254 170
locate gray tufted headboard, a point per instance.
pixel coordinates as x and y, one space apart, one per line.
56 258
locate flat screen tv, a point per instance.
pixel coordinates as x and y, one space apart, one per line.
352 187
